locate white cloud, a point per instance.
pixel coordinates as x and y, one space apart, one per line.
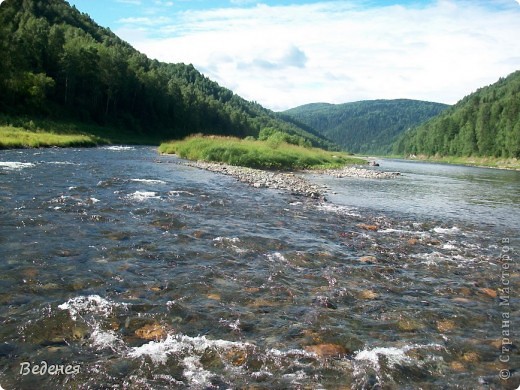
134 2
145 21
338 51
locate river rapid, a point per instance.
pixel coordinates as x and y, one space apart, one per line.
124 269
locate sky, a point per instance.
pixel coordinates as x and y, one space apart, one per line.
286 53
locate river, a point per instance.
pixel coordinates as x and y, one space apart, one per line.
125 269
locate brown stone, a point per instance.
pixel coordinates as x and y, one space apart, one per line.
368 259
457 366
236 356
151 332
489 292
412 241
365 226
368 294
215 297
471 357
409 325
327 350
445 325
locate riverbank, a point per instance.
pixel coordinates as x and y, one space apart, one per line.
482 162
21 132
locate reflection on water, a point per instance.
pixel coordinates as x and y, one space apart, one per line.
444 192
149 275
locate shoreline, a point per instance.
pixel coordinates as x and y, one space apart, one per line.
292 182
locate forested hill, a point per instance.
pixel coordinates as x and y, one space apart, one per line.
58 63
370 126
485 123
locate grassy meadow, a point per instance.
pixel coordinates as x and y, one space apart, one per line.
16 137
256 154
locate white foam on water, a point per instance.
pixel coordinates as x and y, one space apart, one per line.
103 339
233 240
178 193
148 181
393 356
118 148
62 163
142 196
15 165
433 258
195 373
453 230
449 246
402 231
78 306
229 242
343 210
276 257
159 351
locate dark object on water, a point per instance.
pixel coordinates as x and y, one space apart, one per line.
374 164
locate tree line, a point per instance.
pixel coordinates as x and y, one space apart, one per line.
58 63
484 123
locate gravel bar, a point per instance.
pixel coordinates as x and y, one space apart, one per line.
288 181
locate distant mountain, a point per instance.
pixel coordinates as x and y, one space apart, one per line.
58 63
370 126
485 123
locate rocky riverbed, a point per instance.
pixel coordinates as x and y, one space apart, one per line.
289 181
258 178
352 171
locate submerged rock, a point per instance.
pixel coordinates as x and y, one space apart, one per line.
365 226
152 332
489 292
368 294
327 350
368 259
445 325
324 302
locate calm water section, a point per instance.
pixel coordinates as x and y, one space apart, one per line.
121 268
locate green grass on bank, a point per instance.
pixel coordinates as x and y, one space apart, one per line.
22 132
256 154
490 162
16 137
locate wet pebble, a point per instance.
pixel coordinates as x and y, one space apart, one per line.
489 292
364 226
444 326
368 259
324 302
368 294
258 178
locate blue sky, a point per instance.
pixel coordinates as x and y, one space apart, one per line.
287 53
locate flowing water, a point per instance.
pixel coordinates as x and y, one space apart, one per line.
123 269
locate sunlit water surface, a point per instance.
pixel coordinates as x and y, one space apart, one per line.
143 273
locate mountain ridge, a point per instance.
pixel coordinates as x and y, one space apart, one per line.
367 126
